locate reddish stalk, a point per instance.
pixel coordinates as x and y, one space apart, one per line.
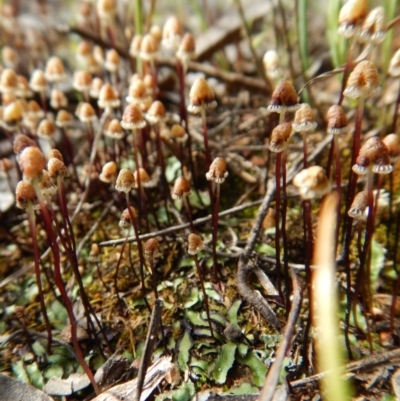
200 273
140 250
284 234
183 116
338 176
136 146
32 226
304 134
154 275
119 264
70 155
397 282
278 167
367 240
205 136
346 71
351 192
309 251
330 157
60 285
188 212
68 242
215 235
162 165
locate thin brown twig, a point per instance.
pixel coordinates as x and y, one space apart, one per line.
272 378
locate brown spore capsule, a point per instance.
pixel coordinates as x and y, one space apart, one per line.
201 95
337 120
114 130
132 118
156 113
56 169
55 153
217 171
151 246
108 172
363 80
181 188
142 174
304 119
312 182
359 208
54 71
392 143
279 136
25 195
284 97
195 244
46 129
108 97
125 180
125 221
31 162
21 142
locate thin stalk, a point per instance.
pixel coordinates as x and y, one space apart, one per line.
308 237
64 214
349 63
153 69
101 276
352 180
397 283
304 135
60 285
136 145
215 234
201 278
278 166
288 44
183 117
186 202
119 264
362 279
161 161
140 250
70 154
32 227
347 223
183 114
205 136
282 115
330 158
338 176
284 234
154 275
368 235
68 243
